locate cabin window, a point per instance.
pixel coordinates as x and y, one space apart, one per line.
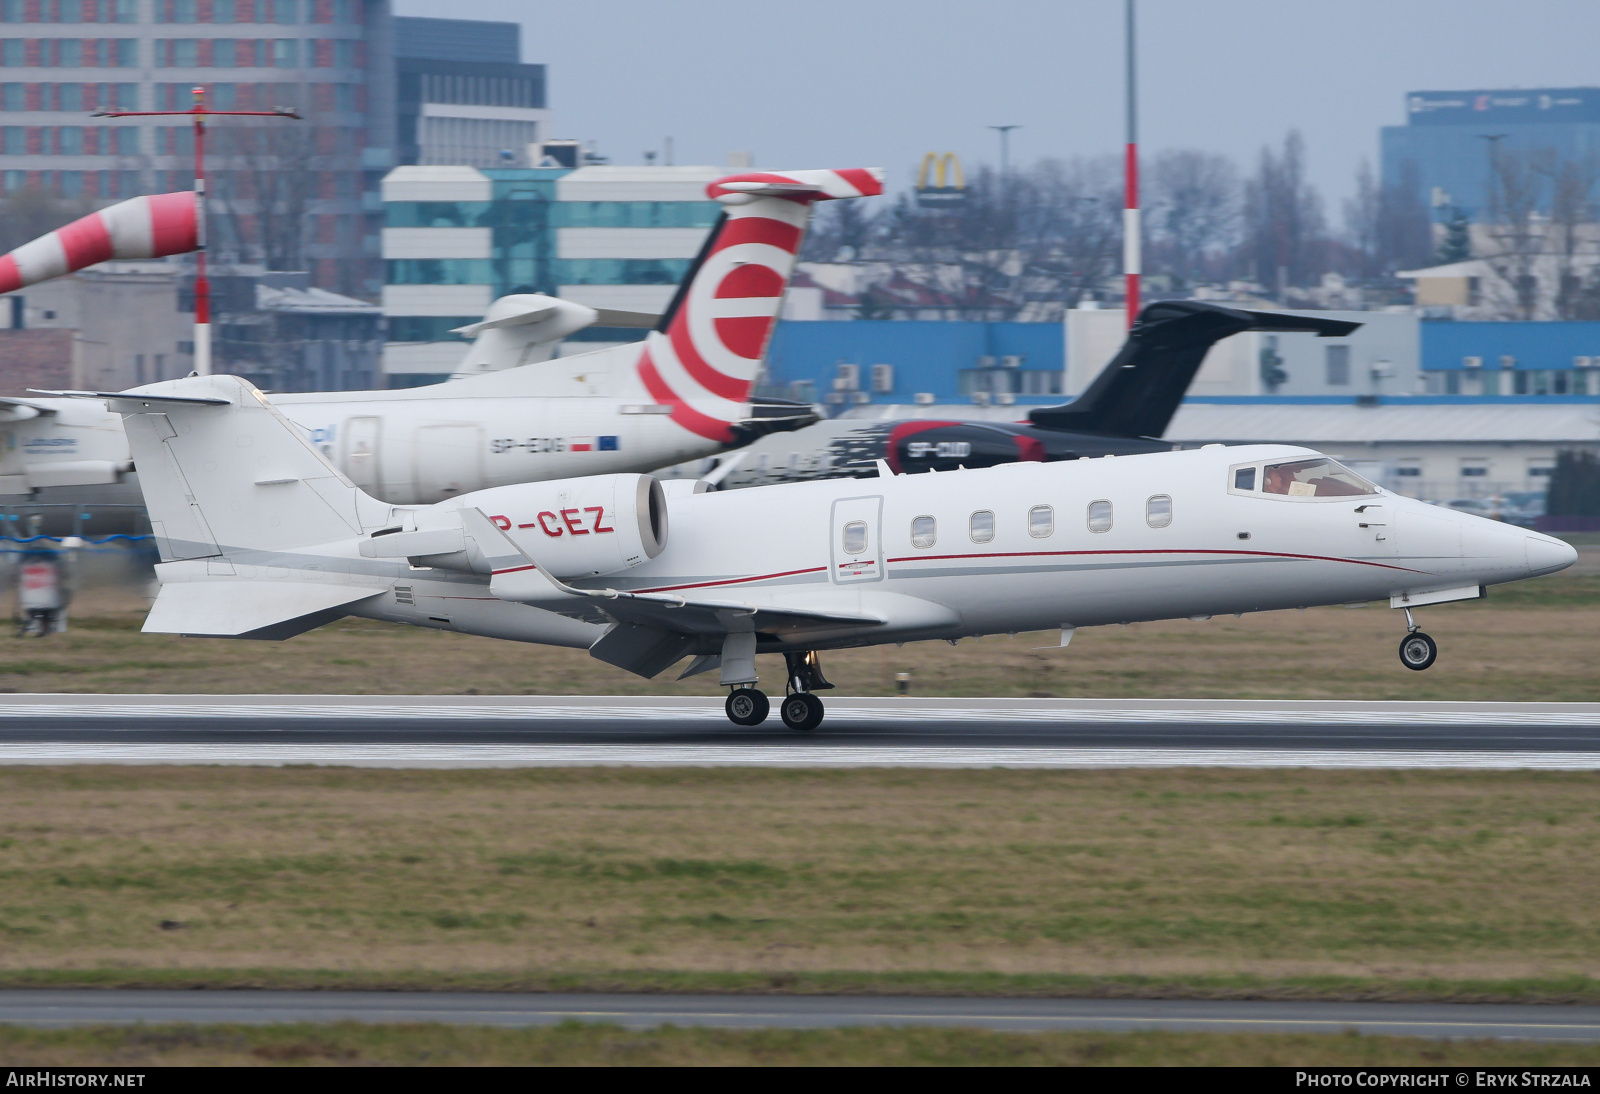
1158 511
1041 521
1244 478
855 537
1100 516
1316 478
924 530
980 526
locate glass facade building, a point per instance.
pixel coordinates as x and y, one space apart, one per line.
1446 148
456 238
332 60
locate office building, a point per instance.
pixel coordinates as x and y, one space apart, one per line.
464 97
290 195
455 238
1450 139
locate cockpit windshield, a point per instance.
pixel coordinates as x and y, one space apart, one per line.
1317 478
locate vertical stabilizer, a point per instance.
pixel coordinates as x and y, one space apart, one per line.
704 356
224 472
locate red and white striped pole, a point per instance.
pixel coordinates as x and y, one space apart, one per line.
1130 203
202 284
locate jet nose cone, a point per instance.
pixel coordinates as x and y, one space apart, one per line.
1546 555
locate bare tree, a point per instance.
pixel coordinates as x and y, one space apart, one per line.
840 231
1404 226
1572 227
1194 207
1069 224
1285 238
265 193
1516 185
1362 213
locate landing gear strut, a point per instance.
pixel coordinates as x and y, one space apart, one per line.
1417 650
800 709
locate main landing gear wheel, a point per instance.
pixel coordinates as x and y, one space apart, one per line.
1418 651
747 707
802 710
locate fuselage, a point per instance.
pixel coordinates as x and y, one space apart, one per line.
1020 547
847 447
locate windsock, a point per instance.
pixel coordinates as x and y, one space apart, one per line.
142 227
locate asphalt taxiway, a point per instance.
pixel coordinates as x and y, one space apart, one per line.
487 731
61 1008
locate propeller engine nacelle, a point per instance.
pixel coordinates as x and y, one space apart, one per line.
572 528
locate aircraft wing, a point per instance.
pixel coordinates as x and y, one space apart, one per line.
652 630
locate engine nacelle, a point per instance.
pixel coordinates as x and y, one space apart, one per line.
575 528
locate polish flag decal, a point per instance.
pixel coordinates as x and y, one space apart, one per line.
580 444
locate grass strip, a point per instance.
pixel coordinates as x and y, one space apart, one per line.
1571 990
573 1043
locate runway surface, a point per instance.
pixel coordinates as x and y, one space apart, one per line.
79 1008
491 731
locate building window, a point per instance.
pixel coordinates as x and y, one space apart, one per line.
1474 469
1541 469
1099 516
1519 382
285 53
980 526
13 97
923 532
1408 469
1337 359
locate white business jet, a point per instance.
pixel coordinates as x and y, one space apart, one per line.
684 393
261 537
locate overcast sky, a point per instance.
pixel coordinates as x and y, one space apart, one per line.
879 82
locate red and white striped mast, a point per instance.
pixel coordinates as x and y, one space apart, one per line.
1130 201
202 285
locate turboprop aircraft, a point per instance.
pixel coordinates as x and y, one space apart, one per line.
682 394
261 537
1124 410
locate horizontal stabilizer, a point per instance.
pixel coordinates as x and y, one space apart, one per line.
221 608
133 400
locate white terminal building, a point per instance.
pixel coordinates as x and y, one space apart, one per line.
457 237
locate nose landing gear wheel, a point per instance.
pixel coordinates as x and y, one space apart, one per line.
1418 651
802 710
747 707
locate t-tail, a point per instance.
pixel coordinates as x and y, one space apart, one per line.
1139 391
703 358
233 489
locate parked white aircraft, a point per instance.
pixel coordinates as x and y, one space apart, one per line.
261 537
683 393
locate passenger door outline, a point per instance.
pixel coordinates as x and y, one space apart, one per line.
868 565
